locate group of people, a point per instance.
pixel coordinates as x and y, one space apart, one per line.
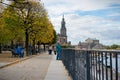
18 51
57 50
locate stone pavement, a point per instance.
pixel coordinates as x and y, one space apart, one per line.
6 59
40 67
56 71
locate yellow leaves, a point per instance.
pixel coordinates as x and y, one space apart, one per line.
30 16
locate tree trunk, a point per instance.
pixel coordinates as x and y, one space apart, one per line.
12 45
27 42
0 48
44 47
34 50
38 47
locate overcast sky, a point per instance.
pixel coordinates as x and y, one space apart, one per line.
98 19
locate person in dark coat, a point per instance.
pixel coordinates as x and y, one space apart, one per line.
19 51
58 50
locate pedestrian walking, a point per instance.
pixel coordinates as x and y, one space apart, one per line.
58 50
50 49
54 49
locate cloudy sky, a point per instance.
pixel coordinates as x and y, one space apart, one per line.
98 19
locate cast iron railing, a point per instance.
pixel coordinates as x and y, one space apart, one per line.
92 64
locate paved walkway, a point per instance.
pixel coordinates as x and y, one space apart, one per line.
56 71
42 67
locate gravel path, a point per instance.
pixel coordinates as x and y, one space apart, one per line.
31 69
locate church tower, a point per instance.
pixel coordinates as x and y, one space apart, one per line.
63 28
62 37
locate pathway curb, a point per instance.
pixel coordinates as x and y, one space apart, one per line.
17 61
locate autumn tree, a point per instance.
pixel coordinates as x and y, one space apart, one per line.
42 31
31 18
2 37
25 13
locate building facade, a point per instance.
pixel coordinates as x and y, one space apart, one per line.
90 44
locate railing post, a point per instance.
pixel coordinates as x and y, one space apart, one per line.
111 73
116 65
102 67
88 65
106 64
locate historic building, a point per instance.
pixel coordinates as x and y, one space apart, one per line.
90 44
62 36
